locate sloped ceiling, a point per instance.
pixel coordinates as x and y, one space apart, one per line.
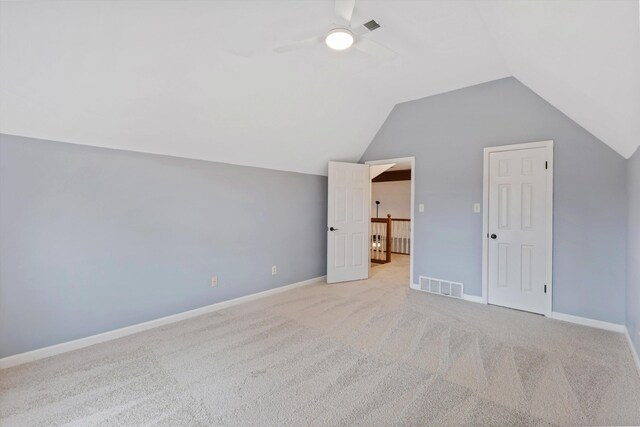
199 79
581 56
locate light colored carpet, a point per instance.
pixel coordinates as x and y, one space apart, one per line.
363 353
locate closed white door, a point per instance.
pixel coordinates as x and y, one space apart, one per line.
517 229
348 222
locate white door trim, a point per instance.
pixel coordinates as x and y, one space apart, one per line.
548 145
412 159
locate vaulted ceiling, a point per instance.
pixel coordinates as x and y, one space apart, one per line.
199 79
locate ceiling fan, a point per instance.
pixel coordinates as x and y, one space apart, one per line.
342 37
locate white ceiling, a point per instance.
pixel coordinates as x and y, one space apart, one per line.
199 79
400 166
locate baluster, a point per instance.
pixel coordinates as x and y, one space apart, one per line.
388 238
404 237
396 235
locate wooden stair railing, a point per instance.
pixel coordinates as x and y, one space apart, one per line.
389 235
381 240
401 236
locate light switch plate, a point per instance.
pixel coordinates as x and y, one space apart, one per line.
274 270
214 281
476 207
421 207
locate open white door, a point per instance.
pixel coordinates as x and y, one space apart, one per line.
348 222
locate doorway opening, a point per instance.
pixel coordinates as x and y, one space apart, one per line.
391 213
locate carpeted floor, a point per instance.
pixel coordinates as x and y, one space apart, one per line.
363 353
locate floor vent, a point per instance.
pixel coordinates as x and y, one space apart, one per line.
442 287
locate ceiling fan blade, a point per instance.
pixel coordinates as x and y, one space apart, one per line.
360 30
374 49
302 44
344 9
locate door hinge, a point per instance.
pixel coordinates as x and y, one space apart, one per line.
546 165
545 289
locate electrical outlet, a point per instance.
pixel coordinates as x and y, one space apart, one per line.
476 207
274 270
214 281
421 207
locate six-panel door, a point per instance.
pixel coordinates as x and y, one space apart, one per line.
517 229
348 222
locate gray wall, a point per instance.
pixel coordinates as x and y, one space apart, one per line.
95 239
447 134
633 251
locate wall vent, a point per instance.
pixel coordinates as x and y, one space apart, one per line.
442 287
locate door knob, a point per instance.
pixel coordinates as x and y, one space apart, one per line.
493 236
333 229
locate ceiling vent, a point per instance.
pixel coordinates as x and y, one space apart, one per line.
371 25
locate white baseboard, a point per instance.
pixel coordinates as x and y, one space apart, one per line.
633 349
41 353
558 316
472 298
599 324
615 327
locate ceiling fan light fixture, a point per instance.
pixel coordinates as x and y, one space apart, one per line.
339 39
